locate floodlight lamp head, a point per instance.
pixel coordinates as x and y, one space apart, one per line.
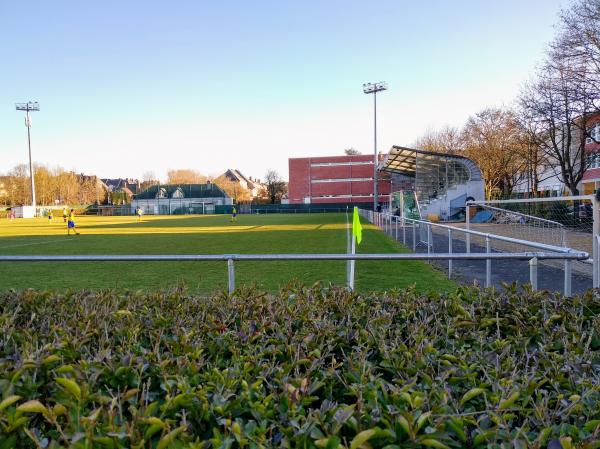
370 88
29 106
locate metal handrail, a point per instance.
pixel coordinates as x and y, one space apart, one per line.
275 257
533 257
385 222
544 246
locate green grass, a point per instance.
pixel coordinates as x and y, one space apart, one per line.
278 233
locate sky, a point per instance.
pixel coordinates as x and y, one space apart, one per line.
131 87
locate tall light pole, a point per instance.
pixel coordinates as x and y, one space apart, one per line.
373 88
28 107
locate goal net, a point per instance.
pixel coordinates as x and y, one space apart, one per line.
555 221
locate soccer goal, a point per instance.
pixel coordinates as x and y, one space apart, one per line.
567 221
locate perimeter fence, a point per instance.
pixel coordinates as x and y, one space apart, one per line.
429 238
231 259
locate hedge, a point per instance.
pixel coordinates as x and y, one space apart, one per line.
307 368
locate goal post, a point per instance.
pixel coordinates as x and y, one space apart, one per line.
568 221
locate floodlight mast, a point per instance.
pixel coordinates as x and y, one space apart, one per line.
373 88
30 106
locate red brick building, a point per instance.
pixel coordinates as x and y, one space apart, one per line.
591 177
335 179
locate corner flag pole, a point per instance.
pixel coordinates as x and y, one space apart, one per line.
352 263
356 237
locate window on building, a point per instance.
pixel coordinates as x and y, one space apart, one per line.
593 160
315 181
594 134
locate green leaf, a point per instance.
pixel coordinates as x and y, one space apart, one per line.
508 402
70 385
472 393
50 359
590 426
32 406
483 437
170 437
421 421
430 442
456 425
154 421
363 437
9 401
404 424
332 442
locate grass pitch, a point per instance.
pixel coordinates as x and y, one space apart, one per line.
209 234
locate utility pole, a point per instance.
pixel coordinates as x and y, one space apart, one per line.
28 107
373 88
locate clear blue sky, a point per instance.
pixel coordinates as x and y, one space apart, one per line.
127 87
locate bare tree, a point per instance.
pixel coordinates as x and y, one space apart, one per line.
233 189
185 176
149 179
492 139
446 140
275 185
557 106
578 43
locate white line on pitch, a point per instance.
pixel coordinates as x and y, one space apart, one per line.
33 243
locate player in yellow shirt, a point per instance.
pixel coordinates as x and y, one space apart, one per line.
71 223
233 214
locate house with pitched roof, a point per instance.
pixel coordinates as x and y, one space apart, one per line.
254 186
180 199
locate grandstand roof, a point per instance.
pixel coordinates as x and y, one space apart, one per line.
208 190
403 160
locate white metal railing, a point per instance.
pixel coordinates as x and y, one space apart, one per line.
390 223
533 258
595 258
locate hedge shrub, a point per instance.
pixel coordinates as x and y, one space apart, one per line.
309 367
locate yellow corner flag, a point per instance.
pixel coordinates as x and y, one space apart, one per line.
356 226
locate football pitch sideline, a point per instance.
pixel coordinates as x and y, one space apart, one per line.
207 234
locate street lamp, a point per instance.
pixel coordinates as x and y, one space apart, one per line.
28 107
373 88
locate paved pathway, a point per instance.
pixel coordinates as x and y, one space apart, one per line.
550 274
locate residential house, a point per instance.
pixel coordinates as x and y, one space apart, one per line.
123 185
254 186
181 199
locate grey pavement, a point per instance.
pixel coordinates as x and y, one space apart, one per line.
550 275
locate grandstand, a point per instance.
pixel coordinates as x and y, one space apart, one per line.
442 183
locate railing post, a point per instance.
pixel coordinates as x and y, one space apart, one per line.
468 224
596 268
449 252
488 262
403 231
396 228
414 236
230 276
596 233
567 291
428 238
533 273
